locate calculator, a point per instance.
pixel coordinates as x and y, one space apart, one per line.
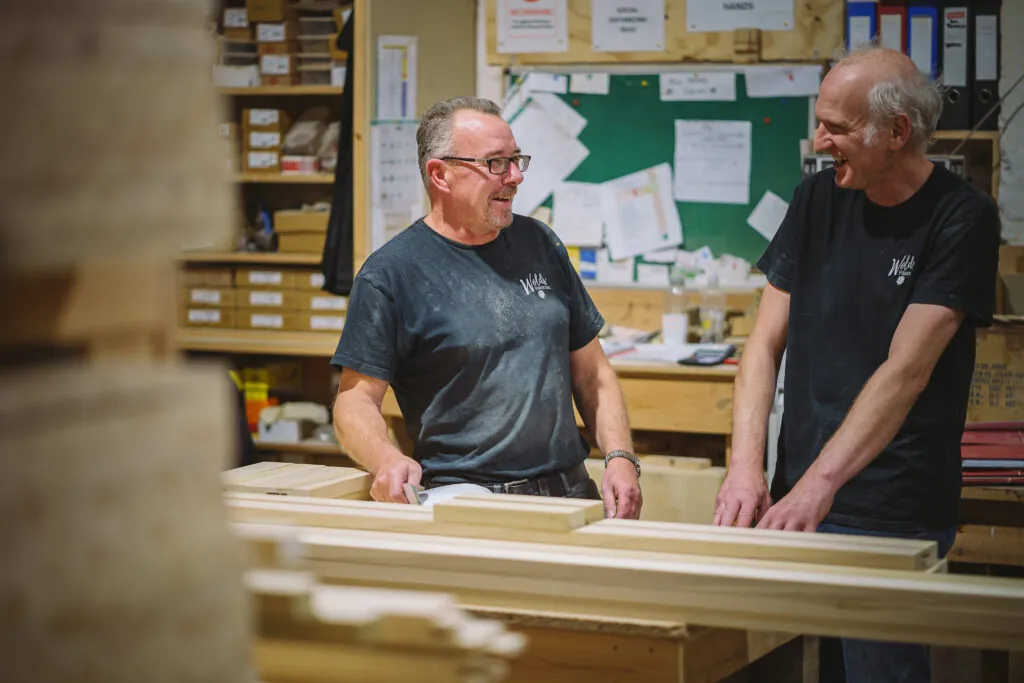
709 355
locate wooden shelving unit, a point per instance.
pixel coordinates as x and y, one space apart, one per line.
295 179
271 90
316 344
272 258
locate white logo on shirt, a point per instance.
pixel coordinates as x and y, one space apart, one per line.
535 283
902 268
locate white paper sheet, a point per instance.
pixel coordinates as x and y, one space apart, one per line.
664 353
768 214
712 161
708 86
661 256
627 25
564 116
611 272
639 212
532 26
539 81
515 99
782 81
577 216
555 155
396 77
652 274
396 190
767 15
590 84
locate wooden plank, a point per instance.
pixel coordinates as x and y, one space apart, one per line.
677 461
246 473
510 515
863 603
673 494
817 35
356 483
593 510
689 539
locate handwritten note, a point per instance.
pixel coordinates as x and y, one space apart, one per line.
712 161
577 216
711 86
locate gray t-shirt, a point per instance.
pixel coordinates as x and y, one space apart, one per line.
475 342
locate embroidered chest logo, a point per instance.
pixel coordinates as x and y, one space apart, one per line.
535 283
902 268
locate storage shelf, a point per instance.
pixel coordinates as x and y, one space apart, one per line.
296 179
318 344
283 90
960 134
272 258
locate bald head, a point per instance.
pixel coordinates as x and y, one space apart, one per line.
884 84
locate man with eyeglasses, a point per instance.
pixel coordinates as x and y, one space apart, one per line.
478 321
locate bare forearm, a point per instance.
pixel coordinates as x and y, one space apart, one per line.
363 433
872 423
753 395
603 409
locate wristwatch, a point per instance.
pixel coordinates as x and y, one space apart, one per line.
628 456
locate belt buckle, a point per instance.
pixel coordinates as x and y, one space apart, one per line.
509 484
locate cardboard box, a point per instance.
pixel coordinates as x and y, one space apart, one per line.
320 322
309 280
277 81
320 302
285 48
194 276
265 278
1010 289
261 161
301 242
262 319
278 65
269 140
236 23
292 220
203 316
269 10
277 32
997 388
208 296
278 299
265 119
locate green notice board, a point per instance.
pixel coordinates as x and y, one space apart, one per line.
631 129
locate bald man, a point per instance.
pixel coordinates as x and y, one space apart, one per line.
879 275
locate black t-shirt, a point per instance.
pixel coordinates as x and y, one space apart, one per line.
475 342
852 268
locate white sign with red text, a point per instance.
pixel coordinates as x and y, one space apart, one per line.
532 26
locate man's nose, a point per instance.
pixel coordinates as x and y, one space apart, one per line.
821 139
514 175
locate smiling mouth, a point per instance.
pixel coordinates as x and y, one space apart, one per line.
838 160
504 199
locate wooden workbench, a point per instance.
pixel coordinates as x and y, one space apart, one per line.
578 649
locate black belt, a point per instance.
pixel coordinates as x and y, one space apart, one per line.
557 484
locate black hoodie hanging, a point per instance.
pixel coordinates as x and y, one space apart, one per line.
336 262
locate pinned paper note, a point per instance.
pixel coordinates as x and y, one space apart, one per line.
652 275
532 26
539 81
782 81
555 154
767 15
708 86
768 214
613 272
627 25
564 116
396 77
577 214
712 161
590 84
639 212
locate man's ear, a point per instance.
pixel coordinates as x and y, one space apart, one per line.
900 132
437 175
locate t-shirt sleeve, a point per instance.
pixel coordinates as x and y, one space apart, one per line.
585 321
960 267
368 342
778 263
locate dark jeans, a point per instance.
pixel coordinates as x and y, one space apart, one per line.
573 482
872 661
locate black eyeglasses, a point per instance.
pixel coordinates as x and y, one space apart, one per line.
497 165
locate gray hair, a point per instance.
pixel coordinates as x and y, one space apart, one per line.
434 137
903 91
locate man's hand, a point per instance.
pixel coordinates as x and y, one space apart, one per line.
388 482
803 508
743 498
621 490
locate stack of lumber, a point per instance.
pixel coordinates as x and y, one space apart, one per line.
118 562
310 632
993 453
675 488
559 555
